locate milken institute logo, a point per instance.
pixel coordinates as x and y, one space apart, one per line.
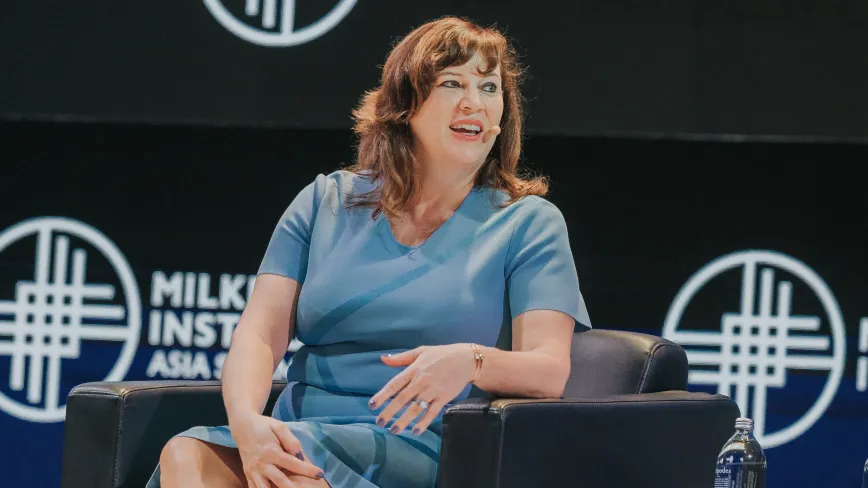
276 21
52 314
758 343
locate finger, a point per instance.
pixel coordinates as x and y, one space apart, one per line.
259 481
392 387
492 132
401 399
282 459
409 415
430 415
291 463
287 441
402 359
276 476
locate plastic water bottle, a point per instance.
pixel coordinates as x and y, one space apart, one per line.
865 476
741 463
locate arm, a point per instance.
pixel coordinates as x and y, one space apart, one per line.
539 367
268 321
539 364
267 447
545 303
258 345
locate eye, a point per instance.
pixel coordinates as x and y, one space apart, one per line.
490 87
451 84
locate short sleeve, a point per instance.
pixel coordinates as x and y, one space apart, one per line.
289 247
540 269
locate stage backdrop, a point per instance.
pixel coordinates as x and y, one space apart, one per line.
761 67
753 256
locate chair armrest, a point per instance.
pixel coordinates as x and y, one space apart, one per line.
654 440
114 431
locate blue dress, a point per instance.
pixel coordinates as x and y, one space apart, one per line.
364 294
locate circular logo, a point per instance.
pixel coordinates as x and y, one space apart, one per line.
751 349
277 21
53 314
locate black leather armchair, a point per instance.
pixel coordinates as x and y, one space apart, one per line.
625 421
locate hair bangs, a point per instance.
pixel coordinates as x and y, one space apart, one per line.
459 46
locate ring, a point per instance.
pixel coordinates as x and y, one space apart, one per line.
422 403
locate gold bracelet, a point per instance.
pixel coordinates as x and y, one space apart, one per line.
477 358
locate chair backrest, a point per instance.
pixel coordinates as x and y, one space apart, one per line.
613 362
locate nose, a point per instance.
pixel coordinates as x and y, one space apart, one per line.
471 102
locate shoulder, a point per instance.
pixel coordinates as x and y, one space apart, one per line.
343 182
536 206
537 219
526 209
337 185
538 228
533 221
340 180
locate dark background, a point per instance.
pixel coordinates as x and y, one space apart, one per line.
759 67
674 132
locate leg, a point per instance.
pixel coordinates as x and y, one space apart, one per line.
305 482
187 462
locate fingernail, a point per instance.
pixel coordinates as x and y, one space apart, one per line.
416 431
372 403
299 455
320 475
394 429
380 421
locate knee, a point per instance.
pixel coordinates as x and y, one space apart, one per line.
179 453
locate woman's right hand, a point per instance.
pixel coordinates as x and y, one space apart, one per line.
267 447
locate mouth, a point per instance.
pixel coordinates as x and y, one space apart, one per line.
466 131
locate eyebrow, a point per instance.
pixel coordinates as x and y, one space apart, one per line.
455 73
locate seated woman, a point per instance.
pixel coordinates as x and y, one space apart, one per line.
400 275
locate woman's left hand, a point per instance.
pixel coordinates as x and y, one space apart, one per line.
434 374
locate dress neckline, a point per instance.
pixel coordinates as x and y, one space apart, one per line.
384 226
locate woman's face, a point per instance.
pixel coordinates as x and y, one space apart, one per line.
452 122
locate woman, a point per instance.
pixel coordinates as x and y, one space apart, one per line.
400 275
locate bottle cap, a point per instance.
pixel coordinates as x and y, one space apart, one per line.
744 423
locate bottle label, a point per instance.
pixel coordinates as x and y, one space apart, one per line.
739 476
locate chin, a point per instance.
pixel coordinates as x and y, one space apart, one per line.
466 158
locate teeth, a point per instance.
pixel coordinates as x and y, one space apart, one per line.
468 127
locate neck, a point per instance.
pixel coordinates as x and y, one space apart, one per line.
441 191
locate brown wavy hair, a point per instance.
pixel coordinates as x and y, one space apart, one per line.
382 120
